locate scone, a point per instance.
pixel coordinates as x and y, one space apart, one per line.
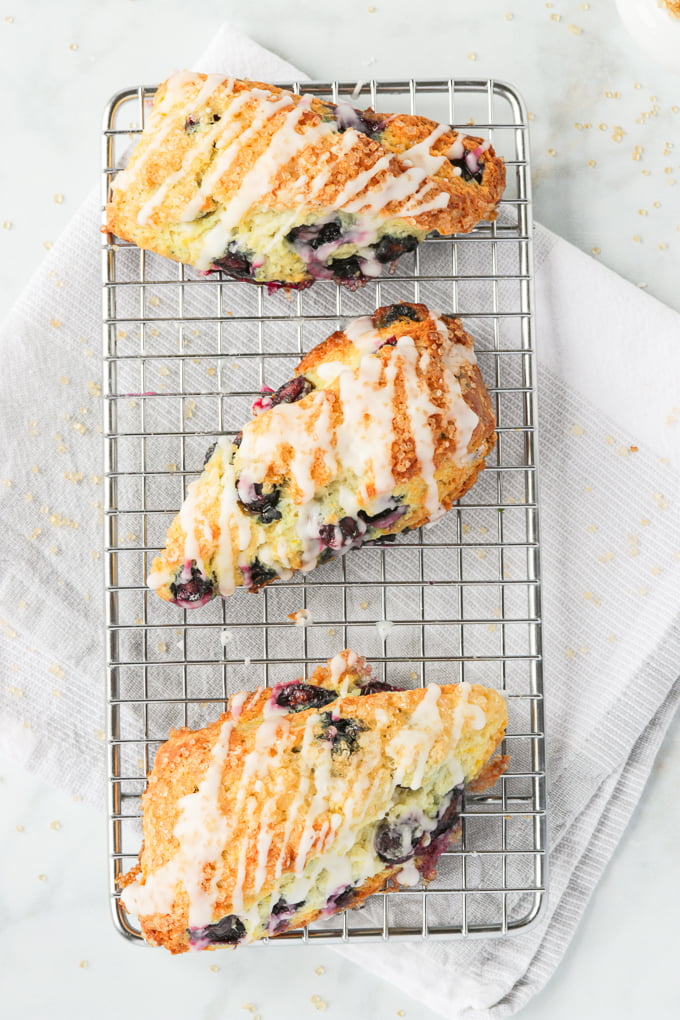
384 426
303 800
272 187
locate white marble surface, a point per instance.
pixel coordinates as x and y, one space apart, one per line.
60 63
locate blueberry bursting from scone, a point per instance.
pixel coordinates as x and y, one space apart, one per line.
303 800
276 188
383 427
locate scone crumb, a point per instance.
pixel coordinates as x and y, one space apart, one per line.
55 825
249 1007
83 964
42 878
318 1003
214 968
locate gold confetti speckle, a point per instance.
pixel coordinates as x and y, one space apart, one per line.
662 246
55 825
154 301
19 828
318 1003
531 116
555 17
55 323
58 198
57 671
73 46
401 1012
363 605
596 250
472 56
570 653
577 430
602 127
94 389
214 968
320 969
605 557
591 163
552 152
47 245
637 238
642 212
83 964
508 16
611 638
6 224
42 878
100 734
162 646
643 591
574 29
591 529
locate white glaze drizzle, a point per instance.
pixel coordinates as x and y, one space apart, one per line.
201 831
419 154
325 811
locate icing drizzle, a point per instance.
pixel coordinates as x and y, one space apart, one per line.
248 115
302 850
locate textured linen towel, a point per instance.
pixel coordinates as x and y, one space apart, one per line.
609 359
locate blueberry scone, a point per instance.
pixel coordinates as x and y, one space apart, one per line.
383 427
303 800
284 189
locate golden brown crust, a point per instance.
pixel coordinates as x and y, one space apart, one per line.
457 455
272 795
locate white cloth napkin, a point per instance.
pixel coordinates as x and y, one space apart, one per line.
609 393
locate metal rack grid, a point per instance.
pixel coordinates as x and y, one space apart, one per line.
184 355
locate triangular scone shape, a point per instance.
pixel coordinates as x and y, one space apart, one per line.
385 425
278 188
255 825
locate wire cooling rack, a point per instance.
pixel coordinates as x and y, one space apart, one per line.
184 355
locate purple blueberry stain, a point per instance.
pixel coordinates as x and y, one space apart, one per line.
281 916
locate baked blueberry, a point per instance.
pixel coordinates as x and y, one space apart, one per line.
260 504
191 588
347 269
396 841
292 391
208 453
466 173
228 931
392 313
257 574
235 263
384 519
449 812
297 697
389 248
341 898
377 687
191 125
342 734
